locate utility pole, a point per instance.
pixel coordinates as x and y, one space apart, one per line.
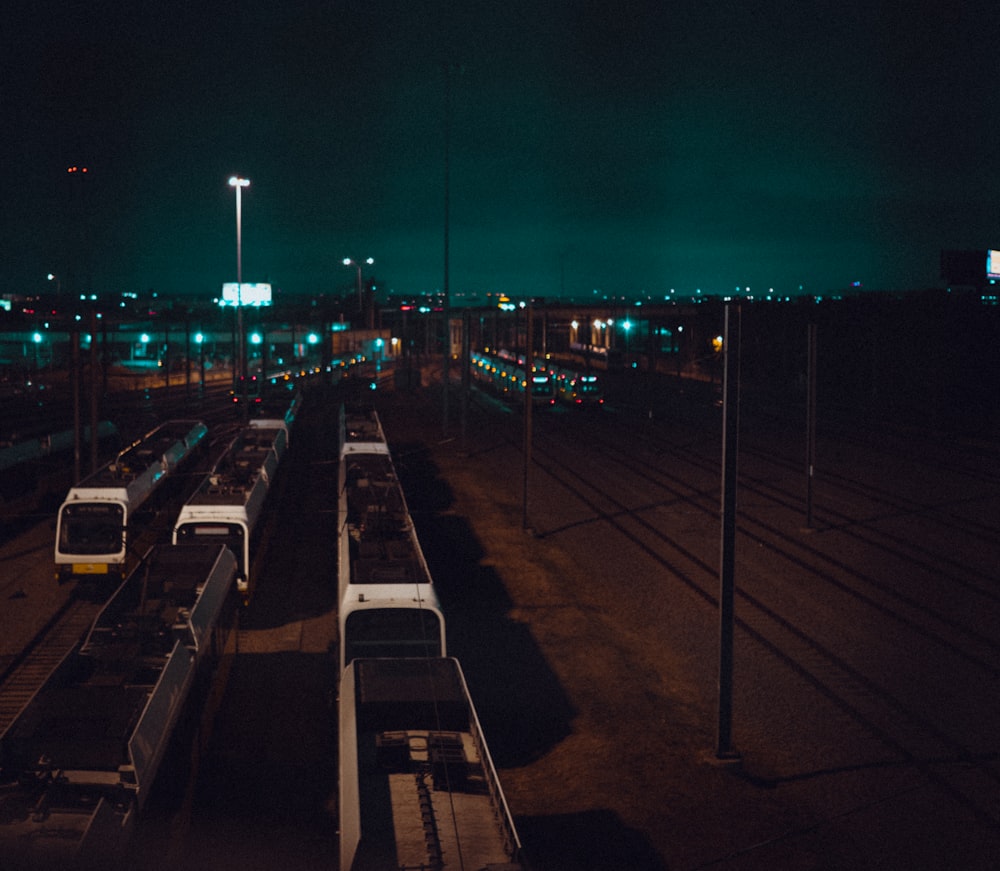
528 342
445 363
730 447
810 424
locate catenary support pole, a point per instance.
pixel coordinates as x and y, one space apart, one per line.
528 357
730 448
810 424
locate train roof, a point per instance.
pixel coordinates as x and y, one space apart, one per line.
254 453
418 786
387 550
410 694
361 432
279 406
139 467
388 604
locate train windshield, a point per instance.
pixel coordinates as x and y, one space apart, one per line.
541 385
92 528
233 535
392 632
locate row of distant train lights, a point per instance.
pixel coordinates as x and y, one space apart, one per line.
254 384
503 371
507 373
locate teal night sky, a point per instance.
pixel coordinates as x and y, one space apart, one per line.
629 150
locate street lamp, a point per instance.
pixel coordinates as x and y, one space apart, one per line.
239 184
349 262
36 339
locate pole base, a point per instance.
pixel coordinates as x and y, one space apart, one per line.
724 759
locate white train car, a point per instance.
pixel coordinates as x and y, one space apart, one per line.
229 505
104 515
78 763
418 788
388 604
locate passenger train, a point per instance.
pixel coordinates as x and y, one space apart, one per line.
505 373
418 788
574 387
550 380
388 604
228 506
101 520
579 389
78 762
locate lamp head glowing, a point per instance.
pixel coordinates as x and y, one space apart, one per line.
236 181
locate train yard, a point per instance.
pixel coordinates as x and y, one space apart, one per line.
866 649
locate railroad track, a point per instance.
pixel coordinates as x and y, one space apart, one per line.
948 758
28 672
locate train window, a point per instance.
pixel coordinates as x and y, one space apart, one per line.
91 529
379 632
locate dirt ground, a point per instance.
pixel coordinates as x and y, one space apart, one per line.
606 764
604 740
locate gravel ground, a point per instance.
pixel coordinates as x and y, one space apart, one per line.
603 724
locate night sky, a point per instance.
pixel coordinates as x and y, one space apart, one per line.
625 149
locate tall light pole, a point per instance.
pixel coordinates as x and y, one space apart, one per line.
446 314
239 184
349 262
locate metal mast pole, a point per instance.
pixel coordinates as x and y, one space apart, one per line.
730 446
445 373
528 342
810 424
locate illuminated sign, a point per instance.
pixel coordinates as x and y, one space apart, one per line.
245 294
993 264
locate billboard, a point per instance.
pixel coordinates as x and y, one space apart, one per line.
993 264
245 294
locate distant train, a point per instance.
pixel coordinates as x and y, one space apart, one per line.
508 375
102 518
579 389
418 788
228 507
35 470
78 763
571 386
